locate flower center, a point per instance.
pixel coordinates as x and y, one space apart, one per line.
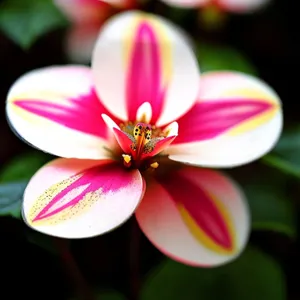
140 141
145 141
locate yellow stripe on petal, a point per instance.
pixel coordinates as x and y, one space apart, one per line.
202 237
87 200
249 93
163 42
254 95
255 122
37 96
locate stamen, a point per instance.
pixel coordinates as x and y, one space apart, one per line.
154 165
140 141
126 160
142 134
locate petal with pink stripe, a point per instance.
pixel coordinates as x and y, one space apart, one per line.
73 198
142 58
56 110
196 216
236 120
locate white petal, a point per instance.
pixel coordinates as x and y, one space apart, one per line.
142 58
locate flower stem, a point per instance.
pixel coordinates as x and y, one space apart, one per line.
72 270
134 260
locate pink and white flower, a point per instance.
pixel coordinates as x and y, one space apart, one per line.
133 131
235 6
88 16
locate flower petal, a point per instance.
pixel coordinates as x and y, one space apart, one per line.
187 3
74 198
57 110
81 40
236 120
196 216
142 58
86 11
243 6
125 4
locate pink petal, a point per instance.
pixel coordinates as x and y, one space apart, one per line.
187 3
123 3
196 216
242 6
83 11
73 198
144 74
81 40
142 58
236 120
57 110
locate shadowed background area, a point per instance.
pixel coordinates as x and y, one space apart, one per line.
40 267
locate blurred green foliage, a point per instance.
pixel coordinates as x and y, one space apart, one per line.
23 21
254 275
285 156
13 179
11 195
23 166
271 205
213 57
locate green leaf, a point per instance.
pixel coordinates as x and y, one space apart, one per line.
216 58
43 241
24 166
271 207
110 296
284 165
254 275
26 20
14 178
11 195
285 156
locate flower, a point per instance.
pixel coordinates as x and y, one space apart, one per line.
235 6
133 131
87 17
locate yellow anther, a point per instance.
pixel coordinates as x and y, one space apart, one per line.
154 165
127 158
142 133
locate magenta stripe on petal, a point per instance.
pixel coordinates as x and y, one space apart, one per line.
200 206
207 120
144 73
102 179
82 113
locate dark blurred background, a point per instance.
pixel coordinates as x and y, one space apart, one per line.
269 38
